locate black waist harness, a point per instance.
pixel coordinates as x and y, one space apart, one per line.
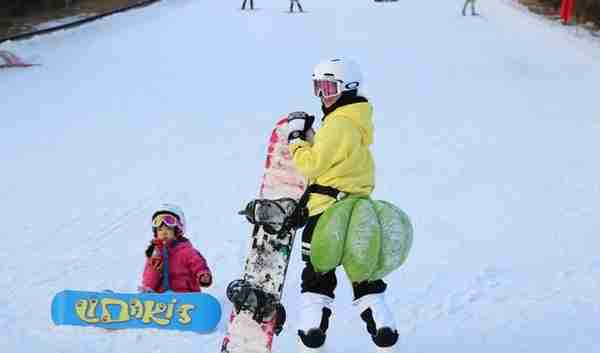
320 189
300 215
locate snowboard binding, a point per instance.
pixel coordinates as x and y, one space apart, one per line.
276 216
264 306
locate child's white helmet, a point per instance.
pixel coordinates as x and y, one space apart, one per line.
172 209
344 71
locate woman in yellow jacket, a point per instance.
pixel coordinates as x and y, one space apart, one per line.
337 161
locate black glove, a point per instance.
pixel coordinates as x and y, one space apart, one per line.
299 124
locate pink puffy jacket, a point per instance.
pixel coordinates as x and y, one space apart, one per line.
185 265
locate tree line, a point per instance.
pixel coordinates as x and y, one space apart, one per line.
24 7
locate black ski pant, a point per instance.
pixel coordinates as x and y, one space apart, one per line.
251 5
297 3
325 283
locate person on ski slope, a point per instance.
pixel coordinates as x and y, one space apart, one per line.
337 161
297 3
172 263
251 5
473 12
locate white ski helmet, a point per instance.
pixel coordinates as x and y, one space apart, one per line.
174 210
344 71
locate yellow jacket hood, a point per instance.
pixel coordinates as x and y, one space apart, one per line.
360 114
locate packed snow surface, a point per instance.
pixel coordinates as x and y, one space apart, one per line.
486 136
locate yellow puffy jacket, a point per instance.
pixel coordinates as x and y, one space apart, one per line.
339 157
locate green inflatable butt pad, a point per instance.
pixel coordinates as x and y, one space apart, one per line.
363 242
396 238
329 236
369 238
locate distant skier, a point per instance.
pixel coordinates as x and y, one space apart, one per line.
566 11
297 3
473 12
251 5
172 262
337 161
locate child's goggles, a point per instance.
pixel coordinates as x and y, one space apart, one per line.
326 88
166 219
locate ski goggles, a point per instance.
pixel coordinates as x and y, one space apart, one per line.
167 219
326 88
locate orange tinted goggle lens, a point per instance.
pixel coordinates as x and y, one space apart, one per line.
166 219
325 88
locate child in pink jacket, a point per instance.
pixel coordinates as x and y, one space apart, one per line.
172 262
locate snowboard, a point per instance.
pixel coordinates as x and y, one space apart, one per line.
257 314
197 312
8 60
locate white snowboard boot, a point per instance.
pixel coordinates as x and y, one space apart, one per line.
380 322
314 320
304 349
391 349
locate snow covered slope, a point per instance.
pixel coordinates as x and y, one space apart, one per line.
486 135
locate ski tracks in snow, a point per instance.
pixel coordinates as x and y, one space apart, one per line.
486 306
495 293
